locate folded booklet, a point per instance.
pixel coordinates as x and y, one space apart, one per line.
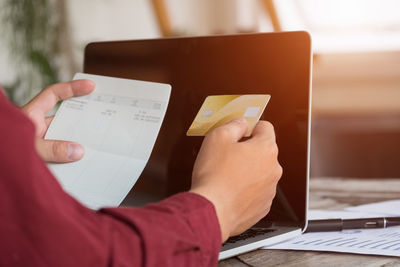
117 124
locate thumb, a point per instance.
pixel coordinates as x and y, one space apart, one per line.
59 151
236 129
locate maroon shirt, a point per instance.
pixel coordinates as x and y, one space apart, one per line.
41 225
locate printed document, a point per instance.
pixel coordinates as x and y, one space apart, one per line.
380 241
117 124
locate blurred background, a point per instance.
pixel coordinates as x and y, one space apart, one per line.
356 43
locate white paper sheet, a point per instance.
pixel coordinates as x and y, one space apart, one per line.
343 214
369 241
389 208
118 125
384 241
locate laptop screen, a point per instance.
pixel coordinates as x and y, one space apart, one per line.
268 63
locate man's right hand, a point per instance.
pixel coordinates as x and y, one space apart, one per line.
238 177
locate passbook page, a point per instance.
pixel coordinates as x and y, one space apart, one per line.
117 124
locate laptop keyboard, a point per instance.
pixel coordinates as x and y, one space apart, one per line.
252 232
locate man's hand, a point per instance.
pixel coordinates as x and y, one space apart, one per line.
240 178
36 109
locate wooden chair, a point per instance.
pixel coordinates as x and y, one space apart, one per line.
164 22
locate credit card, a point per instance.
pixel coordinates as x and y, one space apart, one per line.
218 110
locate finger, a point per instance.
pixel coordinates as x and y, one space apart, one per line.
263 130
59 151
49 97
48 120
234 130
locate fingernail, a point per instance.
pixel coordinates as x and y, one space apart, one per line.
92 83
239 120
75 151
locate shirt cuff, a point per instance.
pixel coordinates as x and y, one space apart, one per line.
202 217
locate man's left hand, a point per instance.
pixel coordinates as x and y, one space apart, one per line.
36 109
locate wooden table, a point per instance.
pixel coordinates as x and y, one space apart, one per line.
334 194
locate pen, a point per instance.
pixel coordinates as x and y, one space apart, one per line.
343 224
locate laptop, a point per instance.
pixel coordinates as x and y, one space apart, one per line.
278 64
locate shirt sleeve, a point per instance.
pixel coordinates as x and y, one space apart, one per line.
41 225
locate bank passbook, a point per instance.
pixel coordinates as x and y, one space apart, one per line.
218 110
117 124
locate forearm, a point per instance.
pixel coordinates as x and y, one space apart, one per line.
180 231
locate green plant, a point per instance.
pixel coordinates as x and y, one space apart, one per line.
31 28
